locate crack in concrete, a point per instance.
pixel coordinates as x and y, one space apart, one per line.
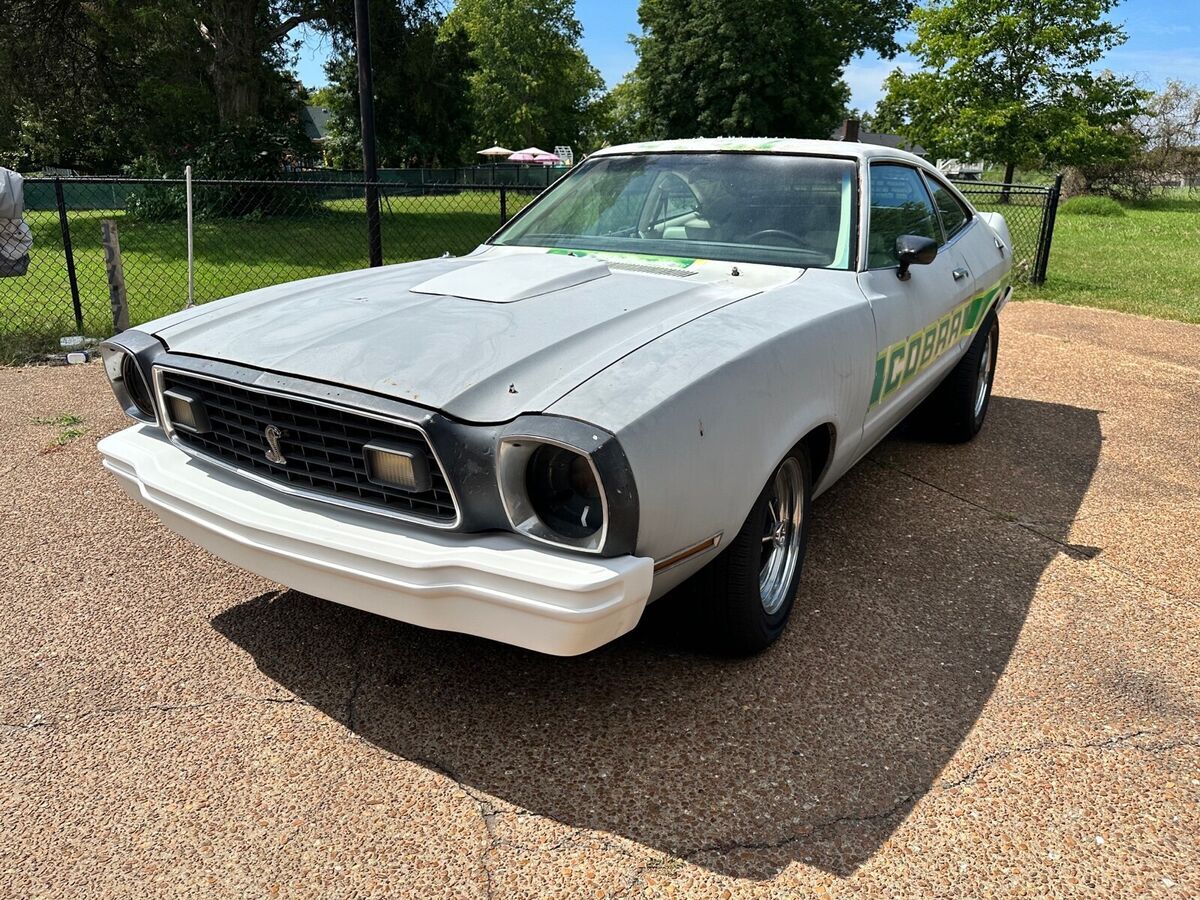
1120 740
152 707
806 830
1069 549
906 802
487 812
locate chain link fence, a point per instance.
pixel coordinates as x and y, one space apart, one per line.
252 234
247 234
1029 211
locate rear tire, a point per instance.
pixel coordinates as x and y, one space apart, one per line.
955 411
740 602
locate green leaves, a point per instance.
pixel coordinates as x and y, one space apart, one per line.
768 68
1011 80
532 84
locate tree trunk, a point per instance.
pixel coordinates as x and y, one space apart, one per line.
237 59
1010 171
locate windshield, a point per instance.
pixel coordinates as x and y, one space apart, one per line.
745 207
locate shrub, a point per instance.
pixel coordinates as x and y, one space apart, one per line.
1087 205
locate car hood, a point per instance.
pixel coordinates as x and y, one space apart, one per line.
482 338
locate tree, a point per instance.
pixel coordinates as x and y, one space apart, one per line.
94 84
422 92
621 114
1169 133
771 68
246 38
1012 81
532 84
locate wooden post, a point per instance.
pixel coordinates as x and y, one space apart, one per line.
116 274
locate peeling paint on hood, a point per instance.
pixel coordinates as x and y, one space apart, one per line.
479 362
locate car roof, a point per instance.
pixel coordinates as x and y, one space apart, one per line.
850 149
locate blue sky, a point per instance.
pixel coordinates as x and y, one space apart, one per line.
1164 43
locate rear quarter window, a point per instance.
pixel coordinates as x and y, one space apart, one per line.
954 215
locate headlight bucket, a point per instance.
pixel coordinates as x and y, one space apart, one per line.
128 380
552 492
567 483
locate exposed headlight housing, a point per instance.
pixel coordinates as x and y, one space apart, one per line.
128 383
553 492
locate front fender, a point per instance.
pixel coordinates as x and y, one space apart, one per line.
706 412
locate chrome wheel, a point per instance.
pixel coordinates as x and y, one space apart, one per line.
985 374
781 536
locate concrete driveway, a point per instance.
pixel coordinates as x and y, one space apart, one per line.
990 684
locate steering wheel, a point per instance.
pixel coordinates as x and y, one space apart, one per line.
776 233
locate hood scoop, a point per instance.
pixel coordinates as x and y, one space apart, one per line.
512 278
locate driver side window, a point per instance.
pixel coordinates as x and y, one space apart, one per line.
900 204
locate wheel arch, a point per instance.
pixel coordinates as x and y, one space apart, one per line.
819 443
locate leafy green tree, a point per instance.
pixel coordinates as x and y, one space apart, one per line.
622 113
1013 81
770 68
94 84
422 93
90 84
532 84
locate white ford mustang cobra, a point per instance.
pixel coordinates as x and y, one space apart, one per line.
638 384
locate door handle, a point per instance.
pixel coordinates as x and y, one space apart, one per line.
960 274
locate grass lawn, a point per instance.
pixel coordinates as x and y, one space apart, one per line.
1145 262
232 255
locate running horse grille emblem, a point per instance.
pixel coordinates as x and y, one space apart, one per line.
274 450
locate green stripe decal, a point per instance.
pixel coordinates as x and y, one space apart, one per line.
904 360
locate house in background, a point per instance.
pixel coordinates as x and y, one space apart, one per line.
851 130
315 120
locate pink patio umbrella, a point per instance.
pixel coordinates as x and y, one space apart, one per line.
547 159
528 155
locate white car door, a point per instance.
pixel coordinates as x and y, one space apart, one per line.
918 321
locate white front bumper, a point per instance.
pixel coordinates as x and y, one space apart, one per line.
492 585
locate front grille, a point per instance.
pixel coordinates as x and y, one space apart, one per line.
323 446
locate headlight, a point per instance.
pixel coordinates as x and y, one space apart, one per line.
128 383
553 492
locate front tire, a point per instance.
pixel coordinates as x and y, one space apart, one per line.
741 601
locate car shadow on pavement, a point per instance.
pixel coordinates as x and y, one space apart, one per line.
922 567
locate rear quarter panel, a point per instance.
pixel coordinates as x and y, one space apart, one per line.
708 410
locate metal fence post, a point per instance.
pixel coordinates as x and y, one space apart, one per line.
366 109
191 258
1047 232
65 226
503 204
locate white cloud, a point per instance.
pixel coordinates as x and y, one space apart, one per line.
865 77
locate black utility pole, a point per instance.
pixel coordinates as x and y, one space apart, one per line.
366 111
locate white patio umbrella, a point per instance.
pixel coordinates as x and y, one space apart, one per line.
494 152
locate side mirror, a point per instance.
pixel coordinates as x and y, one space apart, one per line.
913 250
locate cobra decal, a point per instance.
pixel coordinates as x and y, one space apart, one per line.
900 362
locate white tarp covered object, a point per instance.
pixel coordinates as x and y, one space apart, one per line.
15 237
